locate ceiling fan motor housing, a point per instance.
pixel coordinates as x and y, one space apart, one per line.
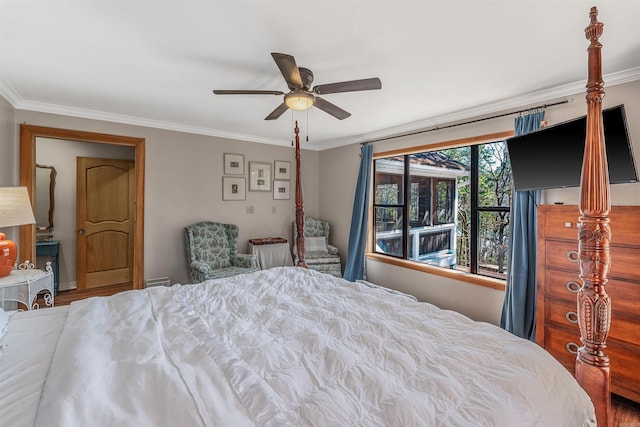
306 75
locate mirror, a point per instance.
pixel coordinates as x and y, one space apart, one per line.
45 186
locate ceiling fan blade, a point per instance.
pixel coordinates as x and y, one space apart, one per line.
277 112
330 108
350 86
247 92
289 69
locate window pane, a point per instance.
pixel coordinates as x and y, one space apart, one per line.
420 201
494 174
463 238
493 244
445 201
389 230
389 181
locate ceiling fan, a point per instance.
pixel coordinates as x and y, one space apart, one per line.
301 96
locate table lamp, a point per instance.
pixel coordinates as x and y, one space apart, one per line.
15 209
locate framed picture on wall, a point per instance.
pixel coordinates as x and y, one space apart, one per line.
281 190
259 176
234 188
282 170
233 164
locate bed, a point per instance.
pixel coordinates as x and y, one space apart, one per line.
293 347
282 347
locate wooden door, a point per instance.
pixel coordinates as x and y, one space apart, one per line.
105 221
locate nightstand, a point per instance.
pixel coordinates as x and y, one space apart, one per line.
271 252
24 284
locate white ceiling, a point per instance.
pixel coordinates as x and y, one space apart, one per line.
155 63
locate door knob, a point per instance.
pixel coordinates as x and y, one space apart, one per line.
81 232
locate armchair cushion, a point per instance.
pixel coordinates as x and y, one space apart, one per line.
316 245
245 261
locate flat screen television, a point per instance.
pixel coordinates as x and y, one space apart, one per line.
551 157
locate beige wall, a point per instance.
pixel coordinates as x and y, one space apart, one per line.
8 154
183 185
339 169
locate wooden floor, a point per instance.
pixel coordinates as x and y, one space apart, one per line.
625 413
67 297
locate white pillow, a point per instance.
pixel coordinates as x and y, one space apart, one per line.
316 244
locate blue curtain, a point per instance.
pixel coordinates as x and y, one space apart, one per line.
356 263
519 309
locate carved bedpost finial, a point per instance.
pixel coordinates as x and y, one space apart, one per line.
595 85
594 30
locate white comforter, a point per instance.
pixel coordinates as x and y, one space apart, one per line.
292 347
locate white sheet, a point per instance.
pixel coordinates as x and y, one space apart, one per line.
293 347
28 348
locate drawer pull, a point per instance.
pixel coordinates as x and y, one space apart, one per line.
572 348
571 316
573 256
573 286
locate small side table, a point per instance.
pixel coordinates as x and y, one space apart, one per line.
24 284
271 252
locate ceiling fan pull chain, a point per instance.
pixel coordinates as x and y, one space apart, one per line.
292 133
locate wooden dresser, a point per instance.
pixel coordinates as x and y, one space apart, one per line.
557 283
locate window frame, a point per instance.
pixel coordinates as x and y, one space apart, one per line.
477 279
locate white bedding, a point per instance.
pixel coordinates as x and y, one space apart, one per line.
293 347
28 348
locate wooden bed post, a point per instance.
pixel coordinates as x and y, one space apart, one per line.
299 205
594 305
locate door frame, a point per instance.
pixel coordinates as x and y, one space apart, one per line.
28 135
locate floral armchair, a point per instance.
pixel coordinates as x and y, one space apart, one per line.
212 252
319 254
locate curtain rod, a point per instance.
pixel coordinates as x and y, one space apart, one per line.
467 122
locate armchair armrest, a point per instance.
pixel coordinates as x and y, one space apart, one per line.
245 260
333 250
199 271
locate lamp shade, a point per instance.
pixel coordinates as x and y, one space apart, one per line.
15 207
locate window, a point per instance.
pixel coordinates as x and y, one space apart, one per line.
457 207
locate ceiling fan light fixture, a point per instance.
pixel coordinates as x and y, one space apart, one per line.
299 101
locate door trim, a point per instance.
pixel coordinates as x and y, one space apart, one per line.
28 134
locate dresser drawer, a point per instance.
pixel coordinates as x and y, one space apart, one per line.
565 314
562 284
625 375
560 221
624 359
564 256
563 222
625 316
563 345
625 263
